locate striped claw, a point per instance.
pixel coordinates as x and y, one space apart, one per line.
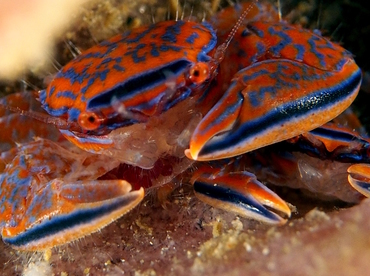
292 82
243 194
46 204
256 111
79 210
359 178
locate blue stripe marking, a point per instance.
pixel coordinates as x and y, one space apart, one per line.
341 63
73 76
202 56
363 185
245 33
191 38
313 49
256 98
337 135
54 112
55 226
133 87
322 99
353 157
184 95
172 32
89 139
261 50
90 82
45 197
342 154
255 30
230 196
282 79
139 36
21 186
134 53
154 51
73 114
301 50
286 40
231 109
166 48
106 63
119 68
66 94
103 74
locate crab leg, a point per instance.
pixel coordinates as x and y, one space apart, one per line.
343 145
333 142
241 193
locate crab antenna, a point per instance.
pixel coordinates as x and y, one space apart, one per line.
58 122
220 51
237 24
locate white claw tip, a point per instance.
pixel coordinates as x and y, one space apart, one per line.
189 155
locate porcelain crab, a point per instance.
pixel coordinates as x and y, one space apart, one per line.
145 105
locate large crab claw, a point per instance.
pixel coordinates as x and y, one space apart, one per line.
241 193
359 178
271 101
39 211
63 212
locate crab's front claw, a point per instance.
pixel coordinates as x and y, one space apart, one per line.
243 194
359 178
271 101
63 212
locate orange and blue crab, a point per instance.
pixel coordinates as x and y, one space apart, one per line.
143 106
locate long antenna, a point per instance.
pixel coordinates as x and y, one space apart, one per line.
220 51
237 24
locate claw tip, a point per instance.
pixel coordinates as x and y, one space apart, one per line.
190 155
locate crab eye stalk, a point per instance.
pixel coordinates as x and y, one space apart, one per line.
199 73
89 120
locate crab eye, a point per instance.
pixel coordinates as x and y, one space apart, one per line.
199 73
89 120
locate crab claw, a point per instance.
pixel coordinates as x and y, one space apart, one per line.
62 212
271 101
359 178
242 194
